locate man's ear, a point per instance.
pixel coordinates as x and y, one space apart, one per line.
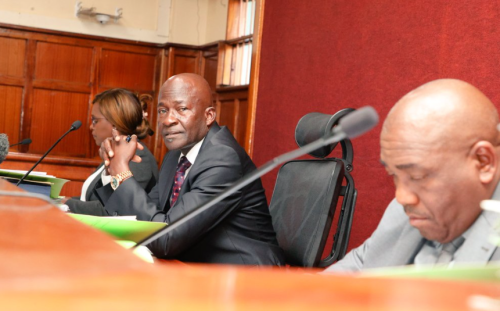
483 152
210 115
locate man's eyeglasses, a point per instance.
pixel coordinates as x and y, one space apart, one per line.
95 120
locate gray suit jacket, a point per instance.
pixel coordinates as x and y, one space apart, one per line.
145 172
237 230
396 243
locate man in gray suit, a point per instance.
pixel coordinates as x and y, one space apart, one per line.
441 145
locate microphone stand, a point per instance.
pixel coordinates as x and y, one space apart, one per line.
350 126
26 141
267 167
73 127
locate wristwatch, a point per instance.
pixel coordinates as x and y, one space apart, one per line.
118 179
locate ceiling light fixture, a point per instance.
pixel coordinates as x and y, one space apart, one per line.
102 18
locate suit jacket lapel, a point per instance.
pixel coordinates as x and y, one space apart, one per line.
186 187
167 178
407 247
401 253
476 247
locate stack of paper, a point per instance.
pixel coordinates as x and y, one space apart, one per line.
494 206
37 182
125 229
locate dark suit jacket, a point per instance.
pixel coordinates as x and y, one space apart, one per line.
237 230
145 172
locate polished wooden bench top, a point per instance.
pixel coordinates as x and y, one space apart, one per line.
49 261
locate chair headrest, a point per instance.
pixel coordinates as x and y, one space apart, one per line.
315 125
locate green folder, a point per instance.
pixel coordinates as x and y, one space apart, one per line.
121 229
55 183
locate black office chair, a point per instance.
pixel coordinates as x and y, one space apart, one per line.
306 194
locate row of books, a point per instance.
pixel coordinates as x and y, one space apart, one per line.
237 64
246 18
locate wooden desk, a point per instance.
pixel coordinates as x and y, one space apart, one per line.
49 261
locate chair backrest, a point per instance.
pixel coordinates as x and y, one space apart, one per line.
303 206
306 195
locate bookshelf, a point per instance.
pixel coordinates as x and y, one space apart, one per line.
235 54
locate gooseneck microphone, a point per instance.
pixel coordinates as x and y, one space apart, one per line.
76 125
25 141
352 125
4 147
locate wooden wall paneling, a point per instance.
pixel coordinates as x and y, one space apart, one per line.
61 90
29 67
253 87
209 65
62 86
209 68
12 60
151 141
53 114
226 111
232 110
12 57
63 62
156 142
221 64
242 120
183 60
10 112
94 90
9 80
134 71
54 36
160 150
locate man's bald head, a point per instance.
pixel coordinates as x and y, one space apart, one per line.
194 85
446 112
440 144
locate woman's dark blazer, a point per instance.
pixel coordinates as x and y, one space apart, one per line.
145 172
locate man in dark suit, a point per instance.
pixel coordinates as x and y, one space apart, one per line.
204 159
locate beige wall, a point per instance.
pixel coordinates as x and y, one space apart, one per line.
178 21
217 20
198 21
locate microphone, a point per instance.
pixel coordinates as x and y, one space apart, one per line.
25 141
352 125
4 147
357 122
76 125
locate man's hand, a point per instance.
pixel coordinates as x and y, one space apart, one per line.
117 152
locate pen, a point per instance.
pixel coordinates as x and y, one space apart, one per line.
128 138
